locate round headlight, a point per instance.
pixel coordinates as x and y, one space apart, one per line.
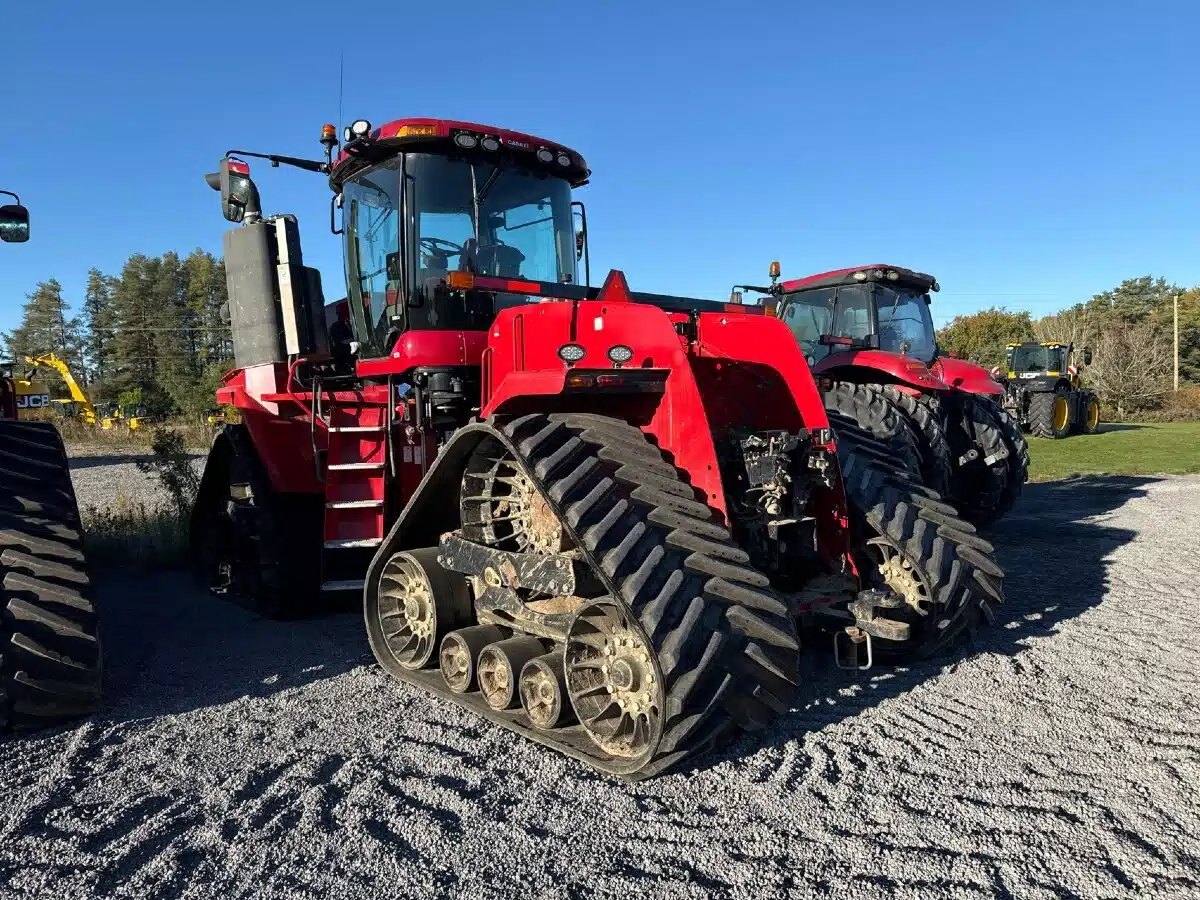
571 353
360 127
490 144
564 160
545 155
347 135
860 276
466 141
893 275
620 354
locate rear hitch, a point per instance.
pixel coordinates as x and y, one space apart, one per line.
850 642
853 638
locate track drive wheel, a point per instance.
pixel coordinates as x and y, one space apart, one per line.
612 680
416 604
50 660
905 539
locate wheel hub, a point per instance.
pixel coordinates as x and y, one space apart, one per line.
612 681
899 574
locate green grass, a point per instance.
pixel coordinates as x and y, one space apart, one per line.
1129 449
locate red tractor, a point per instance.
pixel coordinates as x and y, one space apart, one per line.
595 517
867 334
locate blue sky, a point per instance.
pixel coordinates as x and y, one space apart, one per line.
1028 154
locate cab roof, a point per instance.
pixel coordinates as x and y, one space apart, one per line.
875 272
438 135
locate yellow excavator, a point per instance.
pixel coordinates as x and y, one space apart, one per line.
36 396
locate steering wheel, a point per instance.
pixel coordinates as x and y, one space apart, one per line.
439 247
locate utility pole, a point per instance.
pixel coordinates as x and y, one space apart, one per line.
1177 340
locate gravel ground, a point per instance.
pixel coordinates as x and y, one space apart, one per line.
244 758
106 477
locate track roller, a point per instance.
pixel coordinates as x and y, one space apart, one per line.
416 604
499 667
459 655
544 691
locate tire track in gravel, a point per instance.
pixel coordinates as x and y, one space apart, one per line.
257 759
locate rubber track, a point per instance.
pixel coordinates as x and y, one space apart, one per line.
725 643
885 500
50 662
926 426
878 415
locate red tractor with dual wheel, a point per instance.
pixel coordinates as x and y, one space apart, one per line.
599 518
868 336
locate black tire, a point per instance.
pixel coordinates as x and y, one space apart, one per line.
1087 425
1018 455
271 542
875 412
888 505
1041 415
926 428
50 659
979 487
725 644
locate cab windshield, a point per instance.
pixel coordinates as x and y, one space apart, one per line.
905 324
412 220
902 321
1036 358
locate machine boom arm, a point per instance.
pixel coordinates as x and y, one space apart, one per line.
50 361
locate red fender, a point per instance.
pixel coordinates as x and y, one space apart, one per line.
896 366
966 376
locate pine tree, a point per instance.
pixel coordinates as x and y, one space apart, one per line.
99 320
47 326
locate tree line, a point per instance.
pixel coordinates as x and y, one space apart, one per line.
153 336
1129 329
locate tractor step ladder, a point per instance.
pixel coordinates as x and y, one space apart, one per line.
356 474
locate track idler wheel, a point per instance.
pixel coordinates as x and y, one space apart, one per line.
544 692
499 668
612 680
417 603
459 655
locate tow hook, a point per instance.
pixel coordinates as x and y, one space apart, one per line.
854 642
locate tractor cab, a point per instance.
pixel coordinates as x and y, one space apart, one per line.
870 308
1045 360
428 205
443 224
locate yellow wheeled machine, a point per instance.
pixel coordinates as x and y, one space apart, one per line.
1044 393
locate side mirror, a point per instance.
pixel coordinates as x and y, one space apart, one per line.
14 224
1087 356
239 196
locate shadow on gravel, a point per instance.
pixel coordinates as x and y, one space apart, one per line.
1053 548
170 647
